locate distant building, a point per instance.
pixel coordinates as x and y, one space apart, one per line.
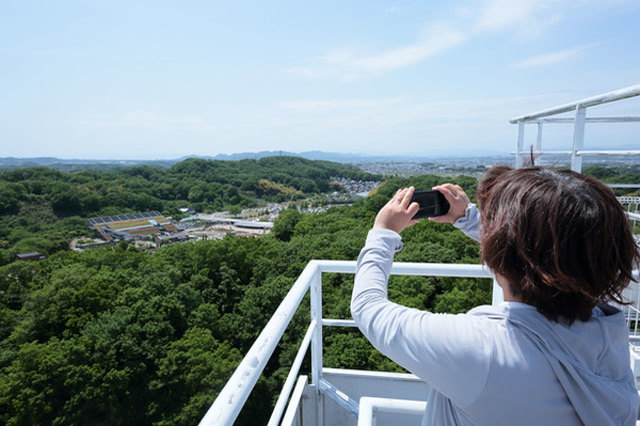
32 255
253 225
131 226
171 238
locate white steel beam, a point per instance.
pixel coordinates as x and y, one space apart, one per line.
341 398
369 405
497 296
281 403
294 406
618 152
412 268
519 145
316 341
565 120
539 139
604 98
578 138
543 153
581 152
338 323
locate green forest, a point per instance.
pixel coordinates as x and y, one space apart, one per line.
117 336
41 209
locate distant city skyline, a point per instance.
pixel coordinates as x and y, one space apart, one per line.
149 80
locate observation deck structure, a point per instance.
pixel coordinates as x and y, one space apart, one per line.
363 398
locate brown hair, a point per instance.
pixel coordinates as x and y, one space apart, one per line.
560 239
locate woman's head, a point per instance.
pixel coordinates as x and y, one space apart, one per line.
560 239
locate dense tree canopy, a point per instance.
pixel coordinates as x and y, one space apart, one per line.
617 175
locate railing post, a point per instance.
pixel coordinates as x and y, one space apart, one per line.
539 140
519 145
316 341
578 139
497 296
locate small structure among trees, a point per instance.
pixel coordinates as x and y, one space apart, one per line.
32 255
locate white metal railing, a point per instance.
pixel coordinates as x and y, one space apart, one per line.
632 206
229 402
632 311
580 107
227 406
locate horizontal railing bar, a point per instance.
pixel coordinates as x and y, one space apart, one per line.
281 403
412 268
615 95
570 120
344 400
395 406
633 216
582 152
542 153
610 152
227 406
623 185
338 323
369 405
626 199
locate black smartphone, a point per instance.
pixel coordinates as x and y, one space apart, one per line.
432 203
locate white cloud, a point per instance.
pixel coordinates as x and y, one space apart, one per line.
346 65
526 18
552 58
400 57
502 14
513 18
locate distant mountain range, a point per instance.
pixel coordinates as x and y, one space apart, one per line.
76 164
13 162
335 156
340 157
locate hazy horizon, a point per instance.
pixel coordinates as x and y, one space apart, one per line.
469 154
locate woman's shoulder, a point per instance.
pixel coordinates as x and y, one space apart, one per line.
501 311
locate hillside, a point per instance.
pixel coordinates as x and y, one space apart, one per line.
40 208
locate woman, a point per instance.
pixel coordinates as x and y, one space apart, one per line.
554 352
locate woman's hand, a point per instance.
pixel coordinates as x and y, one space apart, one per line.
458 202
398 212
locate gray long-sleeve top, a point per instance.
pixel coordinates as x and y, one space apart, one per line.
498 365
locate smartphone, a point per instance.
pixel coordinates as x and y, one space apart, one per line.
432 203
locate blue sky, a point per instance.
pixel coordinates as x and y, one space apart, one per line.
162 79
